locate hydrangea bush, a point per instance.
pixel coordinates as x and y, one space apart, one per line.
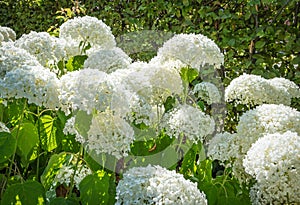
81 123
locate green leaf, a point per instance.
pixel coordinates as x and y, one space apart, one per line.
211 193
151 146
188 74
201 105
185 2
76 62
205 170
53 166
94 189
15 111
27 138
48 133
260 44
189 160
83 122
7 145
27 193
170 103
63 201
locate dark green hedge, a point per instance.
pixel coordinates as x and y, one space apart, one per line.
259 37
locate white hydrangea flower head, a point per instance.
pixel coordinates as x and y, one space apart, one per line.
194 50
186 120
266 118
208 92
254 124
91 89
109 134
256 90
141 109
47 49
154 82
12 58
86 29
170 63
108 60
286 85
36 83
157 185
3 128
80 90
221 147
248 89
7 33
274 161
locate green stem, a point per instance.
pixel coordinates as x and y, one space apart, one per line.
39 145
80 154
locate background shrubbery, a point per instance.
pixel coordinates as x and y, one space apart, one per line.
258 37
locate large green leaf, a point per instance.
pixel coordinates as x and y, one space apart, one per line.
94 189
27 193
27 138
189 160
7 145
48 133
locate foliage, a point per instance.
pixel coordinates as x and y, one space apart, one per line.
257 37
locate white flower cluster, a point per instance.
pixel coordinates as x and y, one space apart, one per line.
140 109
91 89
12 58
274 161
288 86
256 90
194 50
208 92
108 60
186 120
221 147
70 128
47 49
157 185
65 176
37 84
266 118
154 82
7 34
82 90
254 124
84 30
66 172
231 149
110 134
3 127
